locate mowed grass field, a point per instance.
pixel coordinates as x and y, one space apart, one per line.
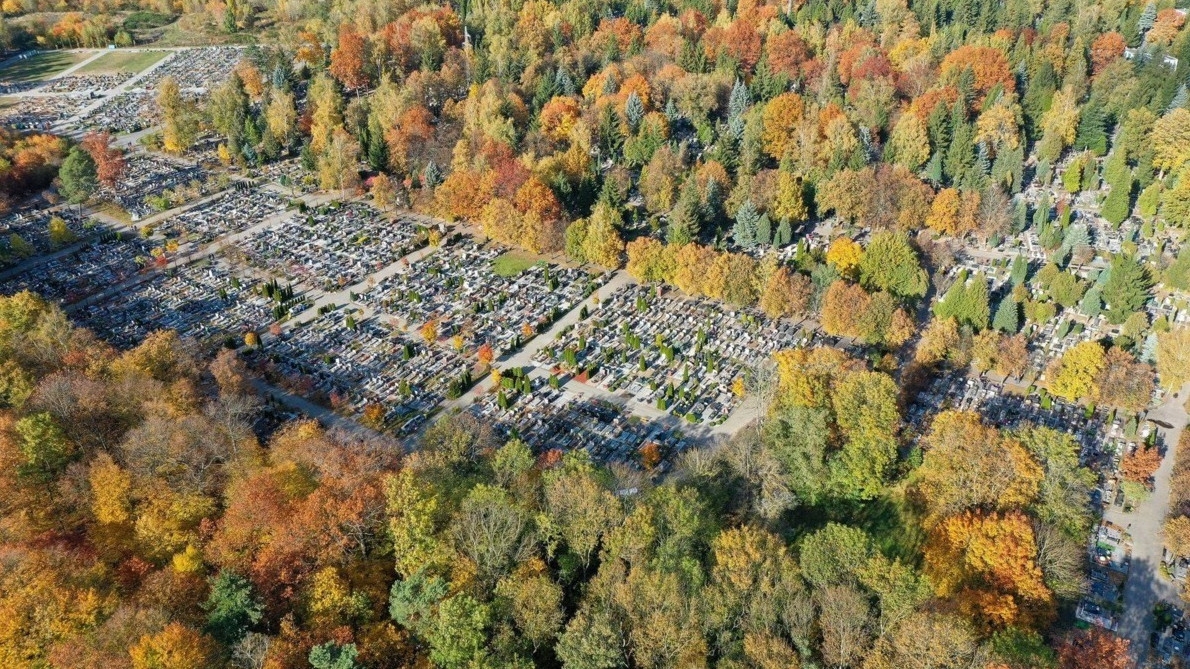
130 62
41 66
512 263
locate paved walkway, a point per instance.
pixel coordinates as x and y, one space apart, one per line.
1146 586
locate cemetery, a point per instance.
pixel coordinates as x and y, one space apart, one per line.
352 365
332 246
201 300
457 289
233 210
678 354
198 68
107 261
152 182
24 234
547 417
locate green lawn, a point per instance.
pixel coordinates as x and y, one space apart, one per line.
130 62
512 263
41 66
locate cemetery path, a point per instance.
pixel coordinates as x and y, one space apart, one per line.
1146 586
328 418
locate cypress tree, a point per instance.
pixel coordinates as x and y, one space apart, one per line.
764 230
784 234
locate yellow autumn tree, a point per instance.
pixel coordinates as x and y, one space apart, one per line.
944 212
1072 376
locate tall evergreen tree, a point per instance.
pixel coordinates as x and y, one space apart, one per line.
764 230
746 227
1147 18
1008 317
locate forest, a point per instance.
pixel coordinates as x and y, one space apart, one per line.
153 517
146 525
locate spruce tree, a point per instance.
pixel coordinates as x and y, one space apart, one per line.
1091 134
1179 99
684 223
958 155
431 176
1147 18
1127 288
1092 303
634 111
746 227
1008 317
739 100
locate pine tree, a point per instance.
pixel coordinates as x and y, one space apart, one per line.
746 227
1008 317
982 158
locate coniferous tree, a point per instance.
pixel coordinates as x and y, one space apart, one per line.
634 111
1179 99
1008 317
784 234
1147 18
745 232
1019 271
764 230
739 101
1091 134
684 222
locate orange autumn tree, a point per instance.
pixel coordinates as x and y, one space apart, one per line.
349 58
109 161
1140 465
1094 648
987 562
